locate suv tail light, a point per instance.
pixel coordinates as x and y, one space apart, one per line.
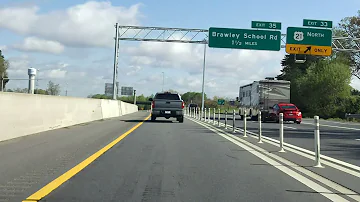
183 105
153 104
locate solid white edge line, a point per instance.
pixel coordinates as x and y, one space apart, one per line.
323 157
297 167
290 127
309 183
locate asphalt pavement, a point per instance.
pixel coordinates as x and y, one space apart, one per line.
339 140
161 161
30 162
169 161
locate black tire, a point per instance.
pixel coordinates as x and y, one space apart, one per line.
241 117
297 122
180 119
153 118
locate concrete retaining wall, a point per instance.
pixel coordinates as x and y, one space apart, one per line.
25 114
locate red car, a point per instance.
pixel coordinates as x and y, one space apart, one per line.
290 112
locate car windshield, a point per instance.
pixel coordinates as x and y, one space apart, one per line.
288 107
165 96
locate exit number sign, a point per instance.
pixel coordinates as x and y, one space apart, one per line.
317 23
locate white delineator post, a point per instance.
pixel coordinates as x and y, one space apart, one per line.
204 114
281 132
209 119
245 134
32 74
214 115
260 135
219 117
233 121
317 141
225 119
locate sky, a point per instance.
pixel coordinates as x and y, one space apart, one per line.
71 43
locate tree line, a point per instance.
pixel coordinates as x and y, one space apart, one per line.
188 97
52 89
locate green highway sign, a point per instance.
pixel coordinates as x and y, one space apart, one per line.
309 36
244 39
265 25
317 23
221 102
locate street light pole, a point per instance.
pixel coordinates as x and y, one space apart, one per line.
203 81
114 90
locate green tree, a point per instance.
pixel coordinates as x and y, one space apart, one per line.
324 86
292 71
53 89
350 27
4 65
193 97
21 90
40 91
100 96
171 90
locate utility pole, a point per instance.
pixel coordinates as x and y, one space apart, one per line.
134 97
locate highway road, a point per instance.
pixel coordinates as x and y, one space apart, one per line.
128 159
340 140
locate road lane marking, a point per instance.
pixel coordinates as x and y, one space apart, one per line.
332 162
286 162
357 139
47 189
290 127
263 154
338 122
342 127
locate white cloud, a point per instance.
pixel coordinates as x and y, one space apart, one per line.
56 73
241 64
132 70
88 24
140 66
40 45
3 47
18 66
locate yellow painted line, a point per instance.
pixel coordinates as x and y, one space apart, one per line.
47 189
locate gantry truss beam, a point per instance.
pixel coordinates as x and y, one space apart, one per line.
200 36
162 34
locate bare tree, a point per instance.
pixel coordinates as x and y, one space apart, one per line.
53 89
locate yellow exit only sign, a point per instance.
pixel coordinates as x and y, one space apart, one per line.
308 49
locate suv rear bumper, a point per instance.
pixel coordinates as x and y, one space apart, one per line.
162 113
293 119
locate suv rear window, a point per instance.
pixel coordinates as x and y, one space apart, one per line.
167 96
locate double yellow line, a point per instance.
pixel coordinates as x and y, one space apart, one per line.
47 189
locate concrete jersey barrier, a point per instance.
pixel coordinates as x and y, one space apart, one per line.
25 114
